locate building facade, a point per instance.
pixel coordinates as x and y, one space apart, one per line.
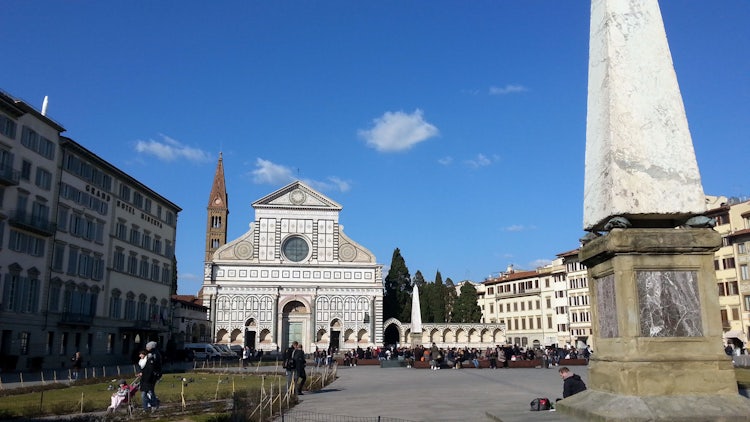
87 258
294 276
731 264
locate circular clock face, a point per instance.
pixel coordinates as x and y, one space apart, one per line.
295 249
217 201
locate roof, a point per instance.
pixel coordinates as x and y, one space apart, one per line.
518 275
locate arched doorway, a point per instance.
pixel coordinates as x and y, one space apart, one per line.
295 318
391 334
335 342
250 330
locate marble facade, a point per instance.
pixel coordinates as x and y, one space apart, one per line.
295 275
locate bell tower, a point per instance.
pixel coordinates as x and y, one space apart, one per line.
218 211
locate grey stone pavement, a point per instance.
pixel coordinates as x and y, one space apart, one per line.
443 395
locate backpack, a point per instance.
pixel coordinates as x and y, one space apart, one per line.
541 403
289 364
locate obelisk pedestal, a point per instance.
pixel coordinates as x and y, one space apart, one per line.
656 320
655 309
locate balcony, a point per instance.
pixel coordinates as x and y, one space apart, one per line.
34 224
76 319
8 176
519 292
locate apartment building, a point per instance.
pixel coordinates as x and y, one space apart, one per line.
87 260
522 300
731 264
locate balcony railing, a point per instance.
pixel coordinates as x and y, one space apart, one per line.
70 318
35 224
520 292
8 176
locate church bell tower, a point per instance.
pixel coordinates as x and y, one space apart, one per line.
218 211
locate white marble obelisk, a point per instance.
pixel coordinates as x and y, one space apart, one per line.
416 319
416 312
640 162
654 303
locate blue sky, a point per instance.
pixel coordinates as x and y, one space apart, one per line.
452 130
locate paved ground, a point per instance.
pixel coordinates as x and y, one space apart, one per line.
444 395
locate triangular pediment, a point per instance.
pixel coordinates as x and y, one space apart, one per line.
297 195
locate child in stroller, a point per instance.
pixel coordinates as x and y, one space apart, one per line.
124 394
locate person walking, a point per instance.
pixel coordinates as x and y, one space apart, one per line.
290 366
299 362
150 363
77 363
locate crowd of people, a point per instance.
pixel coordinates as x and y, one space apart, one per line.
453 357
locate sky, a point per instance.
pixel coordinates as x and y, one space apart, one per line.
452 130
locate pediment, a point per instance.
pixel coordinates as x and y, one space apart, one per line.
297 195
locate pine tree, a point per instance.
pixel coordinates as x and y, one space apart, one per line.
424 294
438 299
466 308
450 299
397 290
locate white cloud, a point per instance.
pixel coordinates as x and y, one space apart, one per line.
445 160
508 89
541 262
169 149
480 160
398 131
518 228
270 173
267 172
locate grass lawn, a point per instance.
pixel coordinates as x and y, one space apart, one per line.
197 388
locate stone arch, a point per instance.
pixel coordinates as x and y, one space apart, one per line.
393 331
235 336
474 336
222 336
265 336
322 336
349 338
435 336
450 336
485 336
363 336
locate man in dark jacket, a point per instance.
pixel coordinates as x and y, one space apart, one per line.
150 363
299 362
572 383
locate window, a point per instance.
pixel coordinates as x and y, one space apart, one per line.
58 255
728 263
125 193
138 200
741 248
25 170
735 314
119 260
50 342
24 342
43 178
744 275
7 127
62 218
747 302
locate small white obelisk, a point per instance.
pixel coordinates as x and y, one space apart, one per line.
416 318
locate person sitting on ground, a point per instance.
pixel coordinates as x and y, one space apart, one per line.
572 383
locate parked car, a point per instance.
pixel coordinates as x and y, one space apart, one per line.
203 351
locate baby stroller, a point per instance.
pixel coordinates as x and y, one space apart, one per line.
124 395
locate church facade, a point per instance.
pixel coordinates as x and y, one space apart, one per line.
293 276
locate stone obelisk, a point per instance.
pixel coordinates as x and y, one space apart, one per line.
649 255
416 319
